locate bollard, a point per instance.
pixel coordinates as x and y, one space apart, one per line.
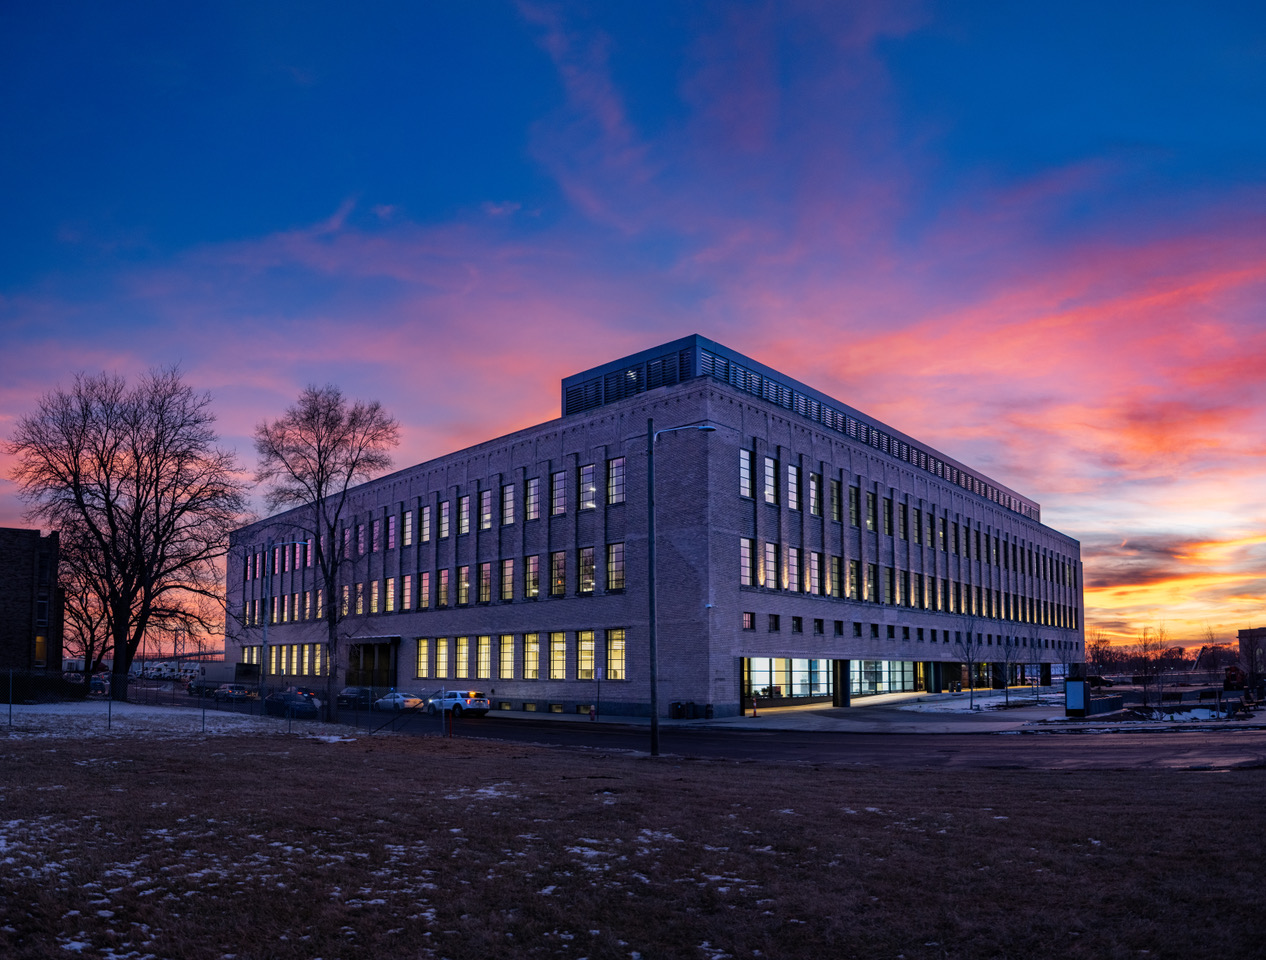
753 705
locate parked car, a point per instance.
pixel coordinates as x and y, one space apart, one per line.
99 685
473 702
1098 682
354 698
233 693
400 700
287 704
306 692
201 687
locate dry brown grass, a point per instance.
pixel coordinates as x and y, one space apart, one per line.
286 847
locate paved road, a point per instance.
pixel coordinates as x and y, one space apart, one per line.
1039 750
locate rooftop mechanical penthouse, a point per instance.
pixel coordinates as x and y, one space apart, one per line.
803 552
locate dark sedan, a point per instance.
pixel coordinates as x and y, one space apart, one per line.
288 704
355 698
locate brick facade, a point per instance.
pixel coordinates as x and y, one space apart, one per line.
30 607
701 519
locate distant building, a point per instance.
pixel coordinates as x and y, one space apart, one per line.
30 602
804 551
1253 649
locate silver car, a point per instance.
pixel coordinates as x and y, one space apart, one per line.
473 702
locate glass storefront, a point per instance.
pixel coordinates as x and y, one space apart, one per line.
870 677
781 678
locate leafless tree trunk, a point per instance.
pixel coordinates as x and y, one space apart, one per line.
968 652
136 479
311 457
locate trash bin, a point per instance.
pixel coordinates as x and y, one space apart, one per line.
708 712
692 711
676 710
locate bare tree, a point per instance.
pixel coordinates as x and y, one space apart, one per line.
1147 653
135 478
968 651
86 620
311 457
1010 654
1099 653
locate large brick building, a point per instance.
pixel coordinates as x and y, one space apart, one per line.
30 604
804 550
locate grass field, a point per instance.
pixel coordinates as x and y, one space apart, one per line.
273 846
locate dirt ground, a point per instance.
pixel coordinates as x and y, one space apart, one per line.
291 846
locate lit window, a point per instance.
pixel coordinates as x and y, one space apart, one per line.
463 584
441 657
462 665
463 514
615 480
485 583
373 596
424 591
587 572
506 653
360 599
483 662
531 577
375 538
558 656
442 588
584 655
588 486
485 509
771 480
406 592
424 657
558 573
615 654
531 656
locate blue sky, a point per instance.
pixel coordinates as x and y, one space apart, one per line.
1030 235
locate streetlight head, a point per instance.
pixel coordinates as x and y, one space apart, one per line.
706 429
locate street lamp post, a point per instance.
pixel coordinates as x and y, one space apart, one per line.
651 436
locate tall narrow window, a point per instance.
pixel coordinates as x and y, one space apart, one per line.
424 591
745 473
558 573
441 657
903 521
485 509
441 599
793 487
461 664
837 576
463 514
391 532
872 511
837 508
507 504
360 599
485 583
771 566
615 654
793 569
887 516
854 580
588 486
532 506
558 656
483 658
558 493
406 531
423 667
815 495
531 656
390 606
615 480
443 519
771 480
425 532
375 538
615 566
507 579
872 582
406 592
505 653
586 570
584 655
373 596
463 584
815 573
531 577
747 572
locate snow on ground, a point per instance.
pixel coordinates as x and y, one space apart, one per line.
100 718
983 700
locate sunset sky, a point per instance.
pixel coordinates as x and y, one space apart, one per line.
1032 236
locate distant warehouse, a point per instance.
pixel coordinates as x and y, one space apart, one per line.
803 551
